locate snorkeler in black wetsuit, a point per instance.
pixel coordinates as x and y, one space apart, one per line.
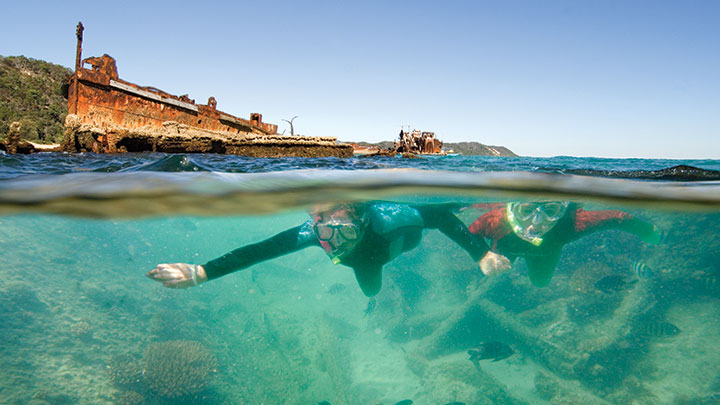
362 236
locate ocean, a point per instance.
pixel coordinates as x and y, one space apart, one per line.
630 314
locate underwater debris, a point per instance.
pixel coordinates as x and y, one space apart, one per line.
412 286
657 329
545 386
614 283
43 397
455 379
491 350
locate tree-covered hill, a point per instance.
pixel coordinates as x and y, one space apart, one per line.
479 149
31 91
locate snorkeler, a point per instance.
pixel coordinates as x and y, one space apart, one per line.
362 236
537 231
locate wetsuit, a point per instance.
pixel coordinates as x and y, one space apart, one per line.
543 258
389 230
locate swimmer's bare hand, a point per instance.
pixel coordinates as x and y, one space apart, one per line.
178 275
493 263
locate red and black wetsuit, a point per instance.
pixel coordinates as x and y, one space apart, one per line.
542 259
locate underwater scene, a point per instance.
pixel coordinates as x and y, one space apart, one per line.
457 280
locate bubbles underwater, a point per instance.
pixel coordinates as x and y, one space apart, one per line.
74 299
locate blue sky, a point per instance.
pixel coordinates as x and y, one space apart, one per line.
543 78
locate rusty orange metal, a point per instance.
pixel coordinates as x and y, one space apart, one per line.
419 143
99 97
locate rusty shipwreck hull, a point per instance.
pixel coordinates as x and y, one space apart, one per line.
111 115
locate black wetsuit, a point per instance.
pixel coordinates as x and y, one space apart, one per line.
390 229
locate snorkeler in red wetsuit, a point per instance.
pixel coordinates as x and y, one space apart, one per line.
537 231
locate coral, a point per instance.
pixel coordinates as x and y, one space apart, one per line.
125 371
129 398
177 368
82 330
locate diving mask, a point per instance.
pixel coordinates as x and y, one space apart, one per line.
532 220
327 231
339 231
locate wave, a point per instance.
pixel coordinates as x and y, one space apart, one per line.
675 173
201 192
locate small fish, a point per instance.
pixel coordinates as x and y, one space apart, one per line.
642 270
336 288
370 307
324 403
455 403
658 329
614 283
405 402
491 350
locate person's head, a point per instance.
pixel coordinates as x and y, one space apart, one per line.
339 228
532 220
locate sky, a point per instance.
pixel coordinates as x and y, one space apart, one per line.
622 79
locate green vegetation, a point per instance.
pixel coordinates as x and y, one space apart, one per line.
478 149
31 92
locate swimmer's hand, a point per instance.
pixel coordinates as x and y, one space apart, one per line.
493 263
178 275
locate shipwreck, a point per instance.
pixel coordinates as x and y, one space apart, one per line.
109 115
420 143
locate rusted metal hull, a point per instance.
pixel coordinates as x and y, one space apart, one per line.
110 115
99 99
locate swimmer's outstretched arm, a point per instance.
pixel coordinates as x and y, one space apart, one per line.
592 221
441 218
184 275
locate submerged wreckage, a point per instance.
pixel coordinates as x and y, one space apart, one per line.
110 115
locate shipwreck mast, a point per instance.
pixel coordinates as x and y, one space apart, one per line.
78 52
73 88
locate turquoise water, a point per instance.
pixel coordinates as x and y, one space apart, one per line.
81 323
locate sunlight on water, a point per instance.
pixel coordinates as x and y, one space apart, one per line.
629 315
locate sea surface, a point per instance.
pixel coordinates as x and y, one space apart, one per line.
623 320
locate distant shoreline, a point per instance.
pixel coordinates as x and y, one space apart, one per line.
463 148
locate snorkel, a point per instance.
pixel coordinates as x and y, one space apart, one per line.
339 229
532 220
